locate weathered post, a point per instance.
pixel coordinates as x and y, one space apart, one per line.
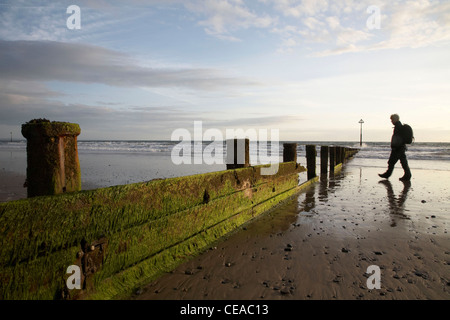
52 157
343 154
324 159
311 161
238 153
332 159
350 152
338 155
289 152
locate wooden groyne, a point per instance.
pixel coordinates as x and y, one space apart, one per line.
331 158
122 237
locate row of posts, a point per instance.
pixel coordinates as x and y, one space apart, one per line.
53 166
330 156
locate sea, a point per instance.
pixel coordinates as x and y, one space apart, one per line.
107 163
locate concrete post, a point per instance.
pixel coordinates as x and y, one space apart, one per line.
324 160
238 153
290 152
52 157
311 161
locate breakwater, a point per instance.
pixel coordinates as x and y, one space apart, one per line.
122 237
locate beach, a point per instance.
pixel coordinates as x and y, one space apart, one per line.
318 245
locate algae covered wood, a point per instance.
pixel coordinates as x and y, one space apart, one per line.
53 166
155 225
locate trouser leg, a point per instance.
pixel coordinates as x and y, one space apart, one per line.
405 166
393 158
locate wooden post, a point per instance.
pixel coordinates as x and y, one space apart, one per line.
289 152
311 161
338 155
238 154
324 160
343 154
332 159
351 152
52 157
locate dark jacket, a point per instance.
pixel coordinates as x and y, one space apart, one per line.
397 139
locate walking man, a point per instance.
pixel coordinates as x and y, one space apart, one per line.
398 149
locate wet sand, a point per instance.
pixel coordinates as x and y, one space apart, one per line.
98 170
11 186
320 244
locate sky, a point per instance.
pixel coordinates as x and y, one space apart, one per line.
139 70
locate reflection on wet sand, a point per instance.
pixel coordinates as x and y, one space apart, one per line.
319 244
282 218
329 185
309 201
396 205
325 187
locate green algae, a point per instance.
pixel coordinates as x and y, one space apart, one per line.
150 227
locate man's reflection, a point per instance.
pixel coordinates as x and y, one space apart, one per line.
397 205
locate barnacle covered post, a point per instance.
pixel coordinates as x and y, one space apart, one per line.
53 166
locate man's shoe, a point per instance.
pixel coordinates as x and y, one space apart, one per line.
405 178
384 175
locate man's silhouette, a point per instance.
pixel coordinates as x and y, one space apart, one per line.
398 149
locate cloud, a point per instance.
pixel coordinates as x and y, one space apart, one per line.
297 9
340 26
46 20
329 24
223 17
30 100
47 61
24 101
404 24
416 24
337 26
27 66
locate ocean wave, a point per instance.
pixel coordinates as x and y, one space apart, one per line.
369 150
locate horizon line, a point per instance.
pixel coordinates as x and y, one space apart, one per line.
166 140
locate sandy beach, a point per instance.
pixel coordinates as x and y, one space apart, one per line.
320 244
11 186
